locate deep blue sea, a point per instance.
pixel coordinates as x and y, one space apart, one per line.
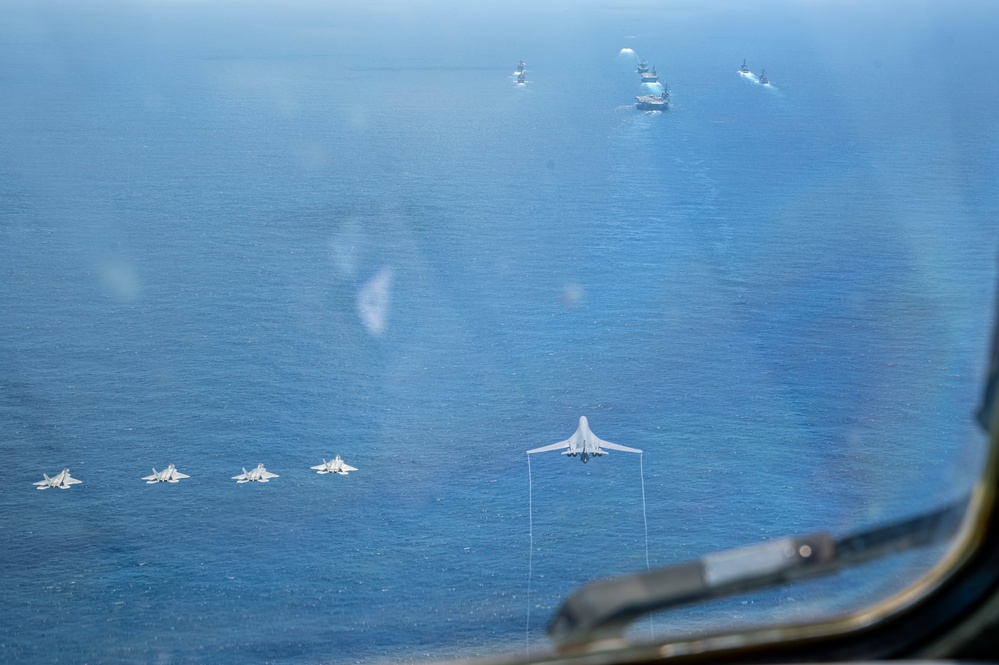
235 234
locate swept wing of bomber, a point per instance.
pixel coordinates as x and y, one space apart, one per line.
336 465
62 480
257 475
584 443
167 475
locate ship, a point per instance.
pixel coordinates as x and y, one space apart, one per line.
650 77
763 77
658 102
521 67
744 69
522 77
643 67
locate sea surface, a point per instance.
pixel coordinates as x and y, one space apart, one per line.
235 234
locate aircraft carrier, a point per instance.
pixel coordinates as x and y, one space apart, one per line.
658 102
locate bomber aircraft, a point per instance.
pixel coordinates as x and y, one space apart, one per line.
584 443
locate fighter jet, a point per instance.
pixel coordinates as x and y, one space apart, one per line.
584 443
168 475
258 475
334 466
62 480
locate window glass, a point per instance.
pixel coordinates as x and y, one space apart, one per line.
272 234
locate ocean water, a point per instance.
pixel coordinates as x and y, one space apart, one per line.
235 235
